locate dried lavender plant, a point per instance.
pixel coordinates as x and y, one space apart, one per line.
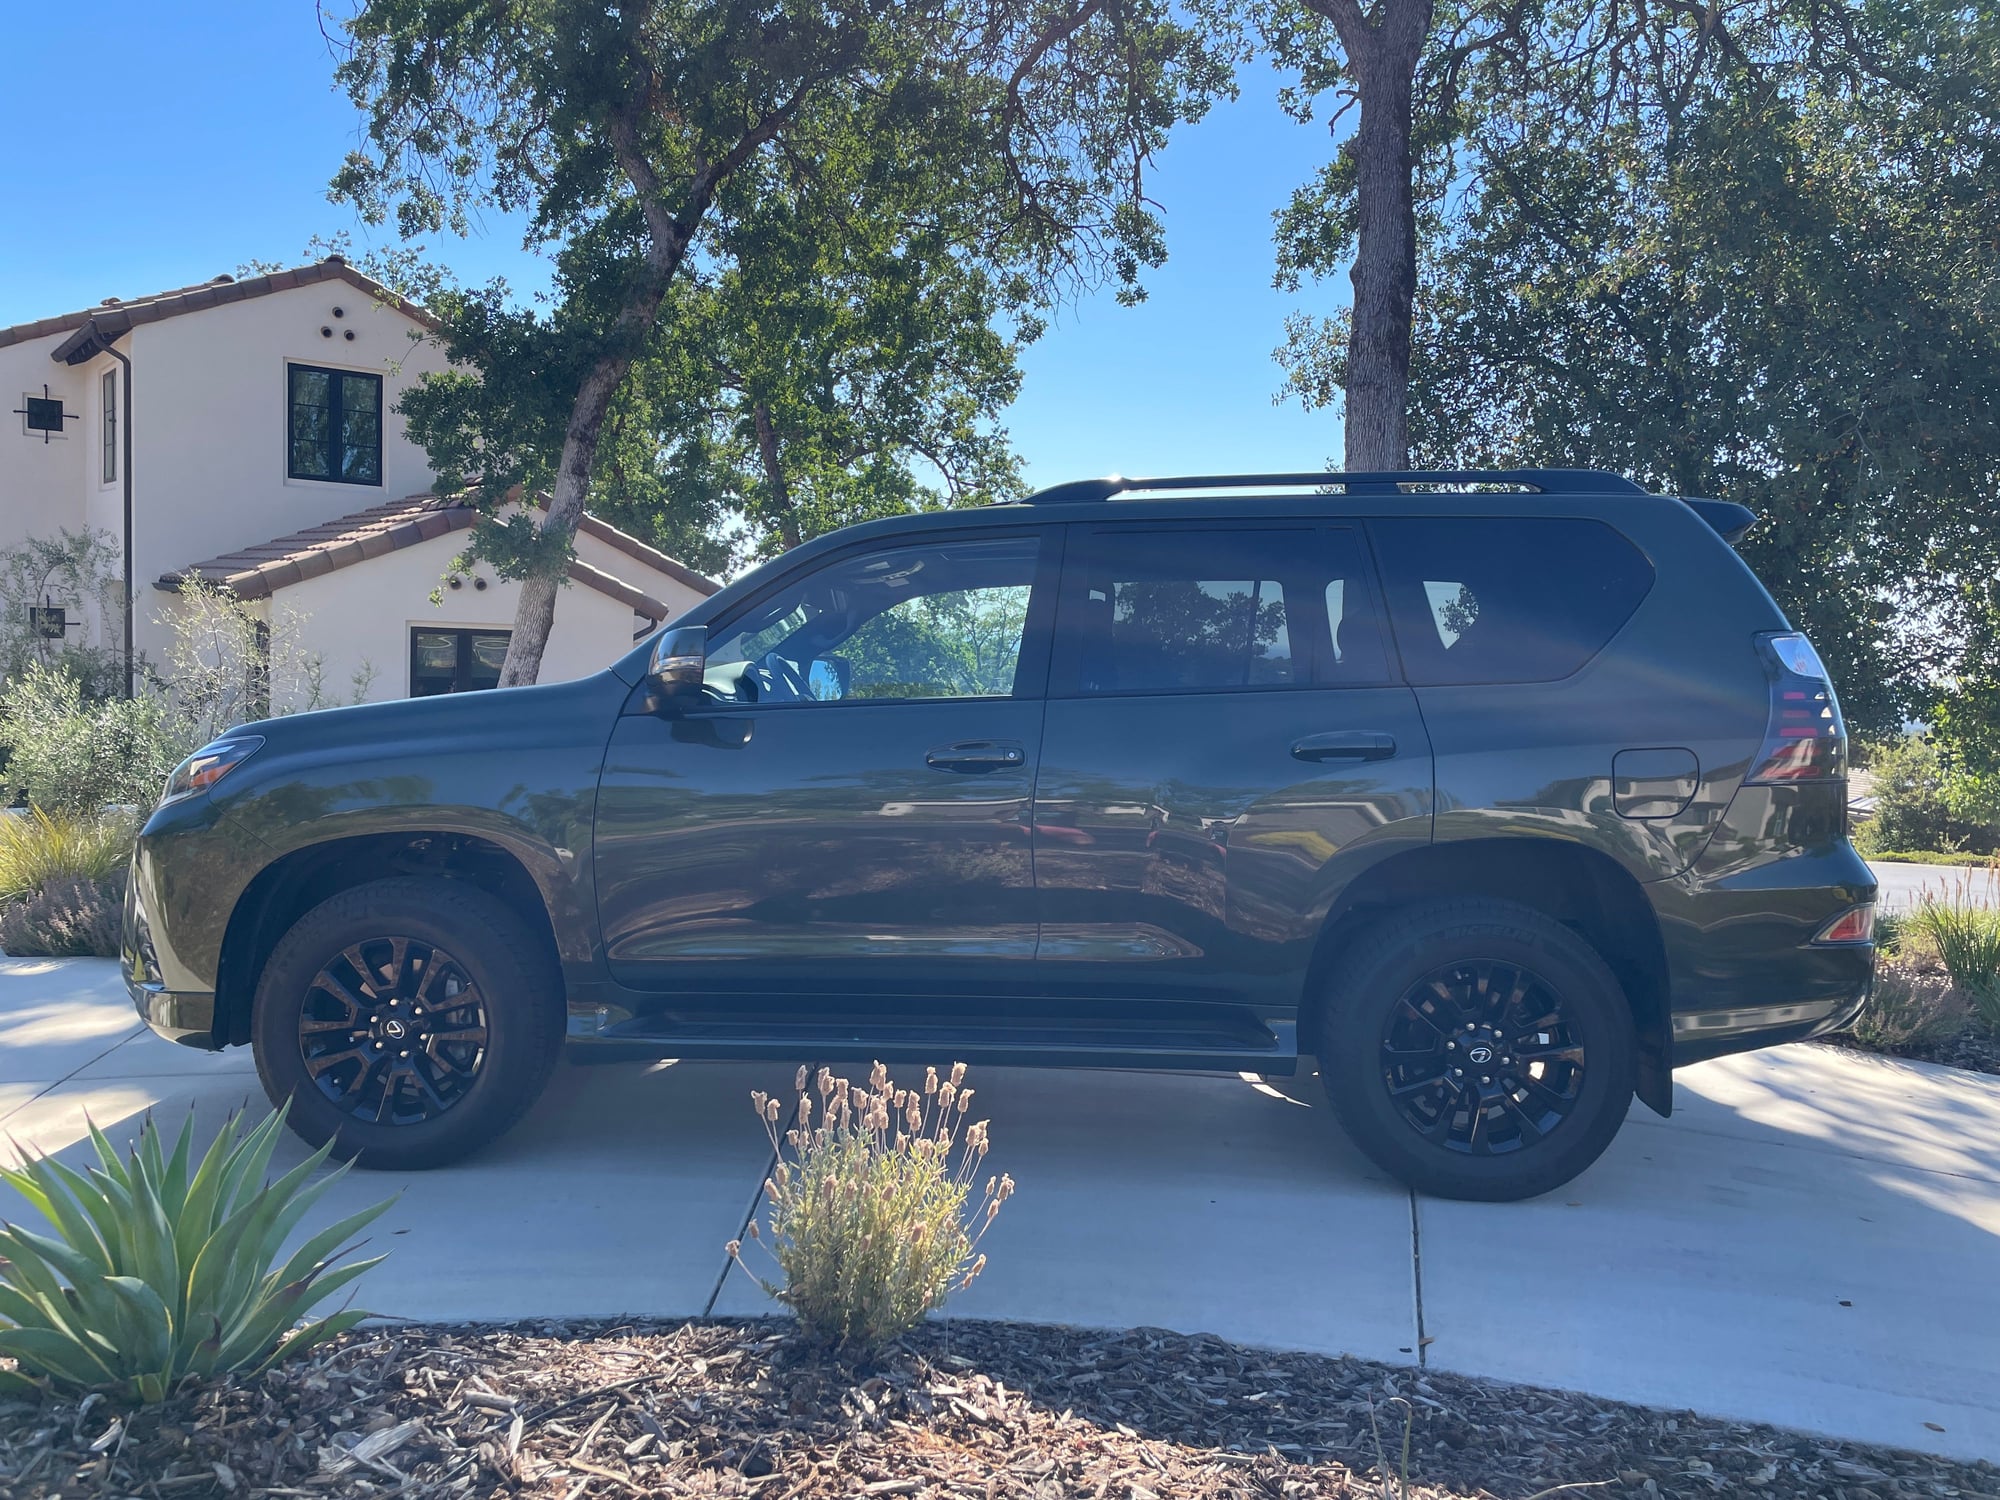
870 1213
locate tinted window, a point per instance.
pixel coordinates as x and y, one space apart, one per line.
942 620
456 661
1527 600
1192 610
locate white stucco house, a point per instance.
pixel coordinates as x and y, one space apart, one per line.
247 430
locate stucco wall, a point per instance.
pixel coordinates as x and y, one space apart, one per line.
209 427
42 484
364 614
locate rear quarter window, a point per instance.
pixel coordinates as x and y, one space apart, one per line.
1478 599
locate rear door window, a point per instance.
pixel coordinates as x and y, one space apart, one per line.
1196 609
1478 599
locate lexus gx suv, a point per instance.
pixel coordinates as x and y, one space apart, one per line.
1499 794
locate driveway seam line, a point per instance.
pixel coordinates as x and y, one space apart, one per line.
136 1032
715 1292
1417 1280
1836 1152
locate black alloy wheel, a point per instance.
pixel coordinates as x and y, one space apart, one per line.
409 1021
393 1031
1480 1057
1477 1048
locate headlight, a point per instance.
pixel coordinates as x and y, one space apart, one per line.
210 764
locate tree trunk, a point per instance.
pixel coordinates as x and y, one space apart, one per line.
774 474
1382 53
536 613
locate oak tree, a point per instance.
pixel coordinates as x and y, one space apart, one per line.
1017 130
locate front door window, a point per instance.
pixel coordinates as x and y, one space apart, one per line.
942 620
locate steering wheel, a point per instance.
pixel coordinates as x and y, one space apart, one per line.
783 674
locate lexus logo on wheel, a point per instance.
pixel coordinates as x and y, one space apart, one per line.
1482 1054
393 1029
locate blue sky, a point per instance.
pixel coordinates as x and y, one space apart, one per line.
148 152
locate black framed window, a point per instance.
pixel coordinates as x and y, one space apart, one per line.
455 661
333 425
1198 609
110 425
942 619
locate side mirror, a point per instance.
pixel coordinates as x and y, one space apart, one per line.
829 677
679 657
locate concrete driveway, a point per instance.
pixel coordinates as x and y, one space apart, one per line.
1812 1241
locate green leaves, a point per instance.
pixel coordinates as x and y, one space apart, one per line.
163 1267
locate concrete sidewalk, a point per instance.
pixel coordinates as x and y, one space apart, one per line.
1811 1241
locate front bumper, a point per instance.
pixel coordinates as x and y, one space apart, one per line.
185 1018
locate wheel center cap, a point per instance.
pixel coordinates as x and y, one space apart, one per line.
394 1030
1481 1053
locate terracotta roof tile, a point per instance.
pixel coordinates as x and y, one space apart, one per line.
120 314
256 572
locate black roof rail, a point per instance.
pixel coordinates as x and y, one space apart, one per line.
1387 482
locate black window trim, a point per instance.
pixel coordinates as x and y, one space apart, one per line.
461 670
1031 675
335 411
1065 670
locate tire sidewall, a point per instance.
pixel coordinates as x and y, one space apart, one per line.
1365 989
469 926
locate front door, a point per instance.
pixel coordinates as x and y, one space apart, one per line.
847 809
1226 746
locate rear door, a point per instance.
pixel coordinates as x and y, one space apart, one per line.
1226 745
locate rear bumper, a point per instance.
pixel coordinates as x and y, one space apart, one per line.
1702 1034
1743 968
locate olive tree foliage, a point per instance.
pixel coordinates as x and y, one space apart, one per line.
644 142
80 572
1765 272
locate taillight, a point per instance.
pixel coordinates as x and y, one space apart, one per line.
1855 925
1805 739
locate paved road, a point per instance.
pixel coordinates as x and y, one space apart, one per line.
1810 1241
1903 884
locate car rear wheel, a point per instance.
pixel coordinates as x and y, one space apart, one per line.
408 1021
1477 1049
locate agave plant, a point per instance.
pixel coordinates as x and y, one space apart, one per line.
163 1268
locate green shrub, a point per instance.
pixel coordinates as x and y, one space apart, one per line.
162 1268
38 847
1925 802
70 917
71 755
869 1218
1908 1011
1967 939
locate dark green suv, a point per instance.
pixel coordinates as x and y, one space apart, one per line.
1503 794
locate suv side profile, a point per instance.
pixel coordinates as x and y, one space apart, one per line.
1500 793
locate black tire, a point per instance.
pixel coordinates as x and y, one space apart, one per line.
466 1081
1522 1101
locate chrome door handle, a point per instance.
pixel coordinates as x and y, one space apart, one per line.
1346 744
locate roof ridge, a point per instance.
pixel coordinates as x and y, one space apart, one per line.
121 314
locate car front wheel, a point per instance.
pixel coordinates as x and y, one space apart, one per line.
1477 1049
408 1021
